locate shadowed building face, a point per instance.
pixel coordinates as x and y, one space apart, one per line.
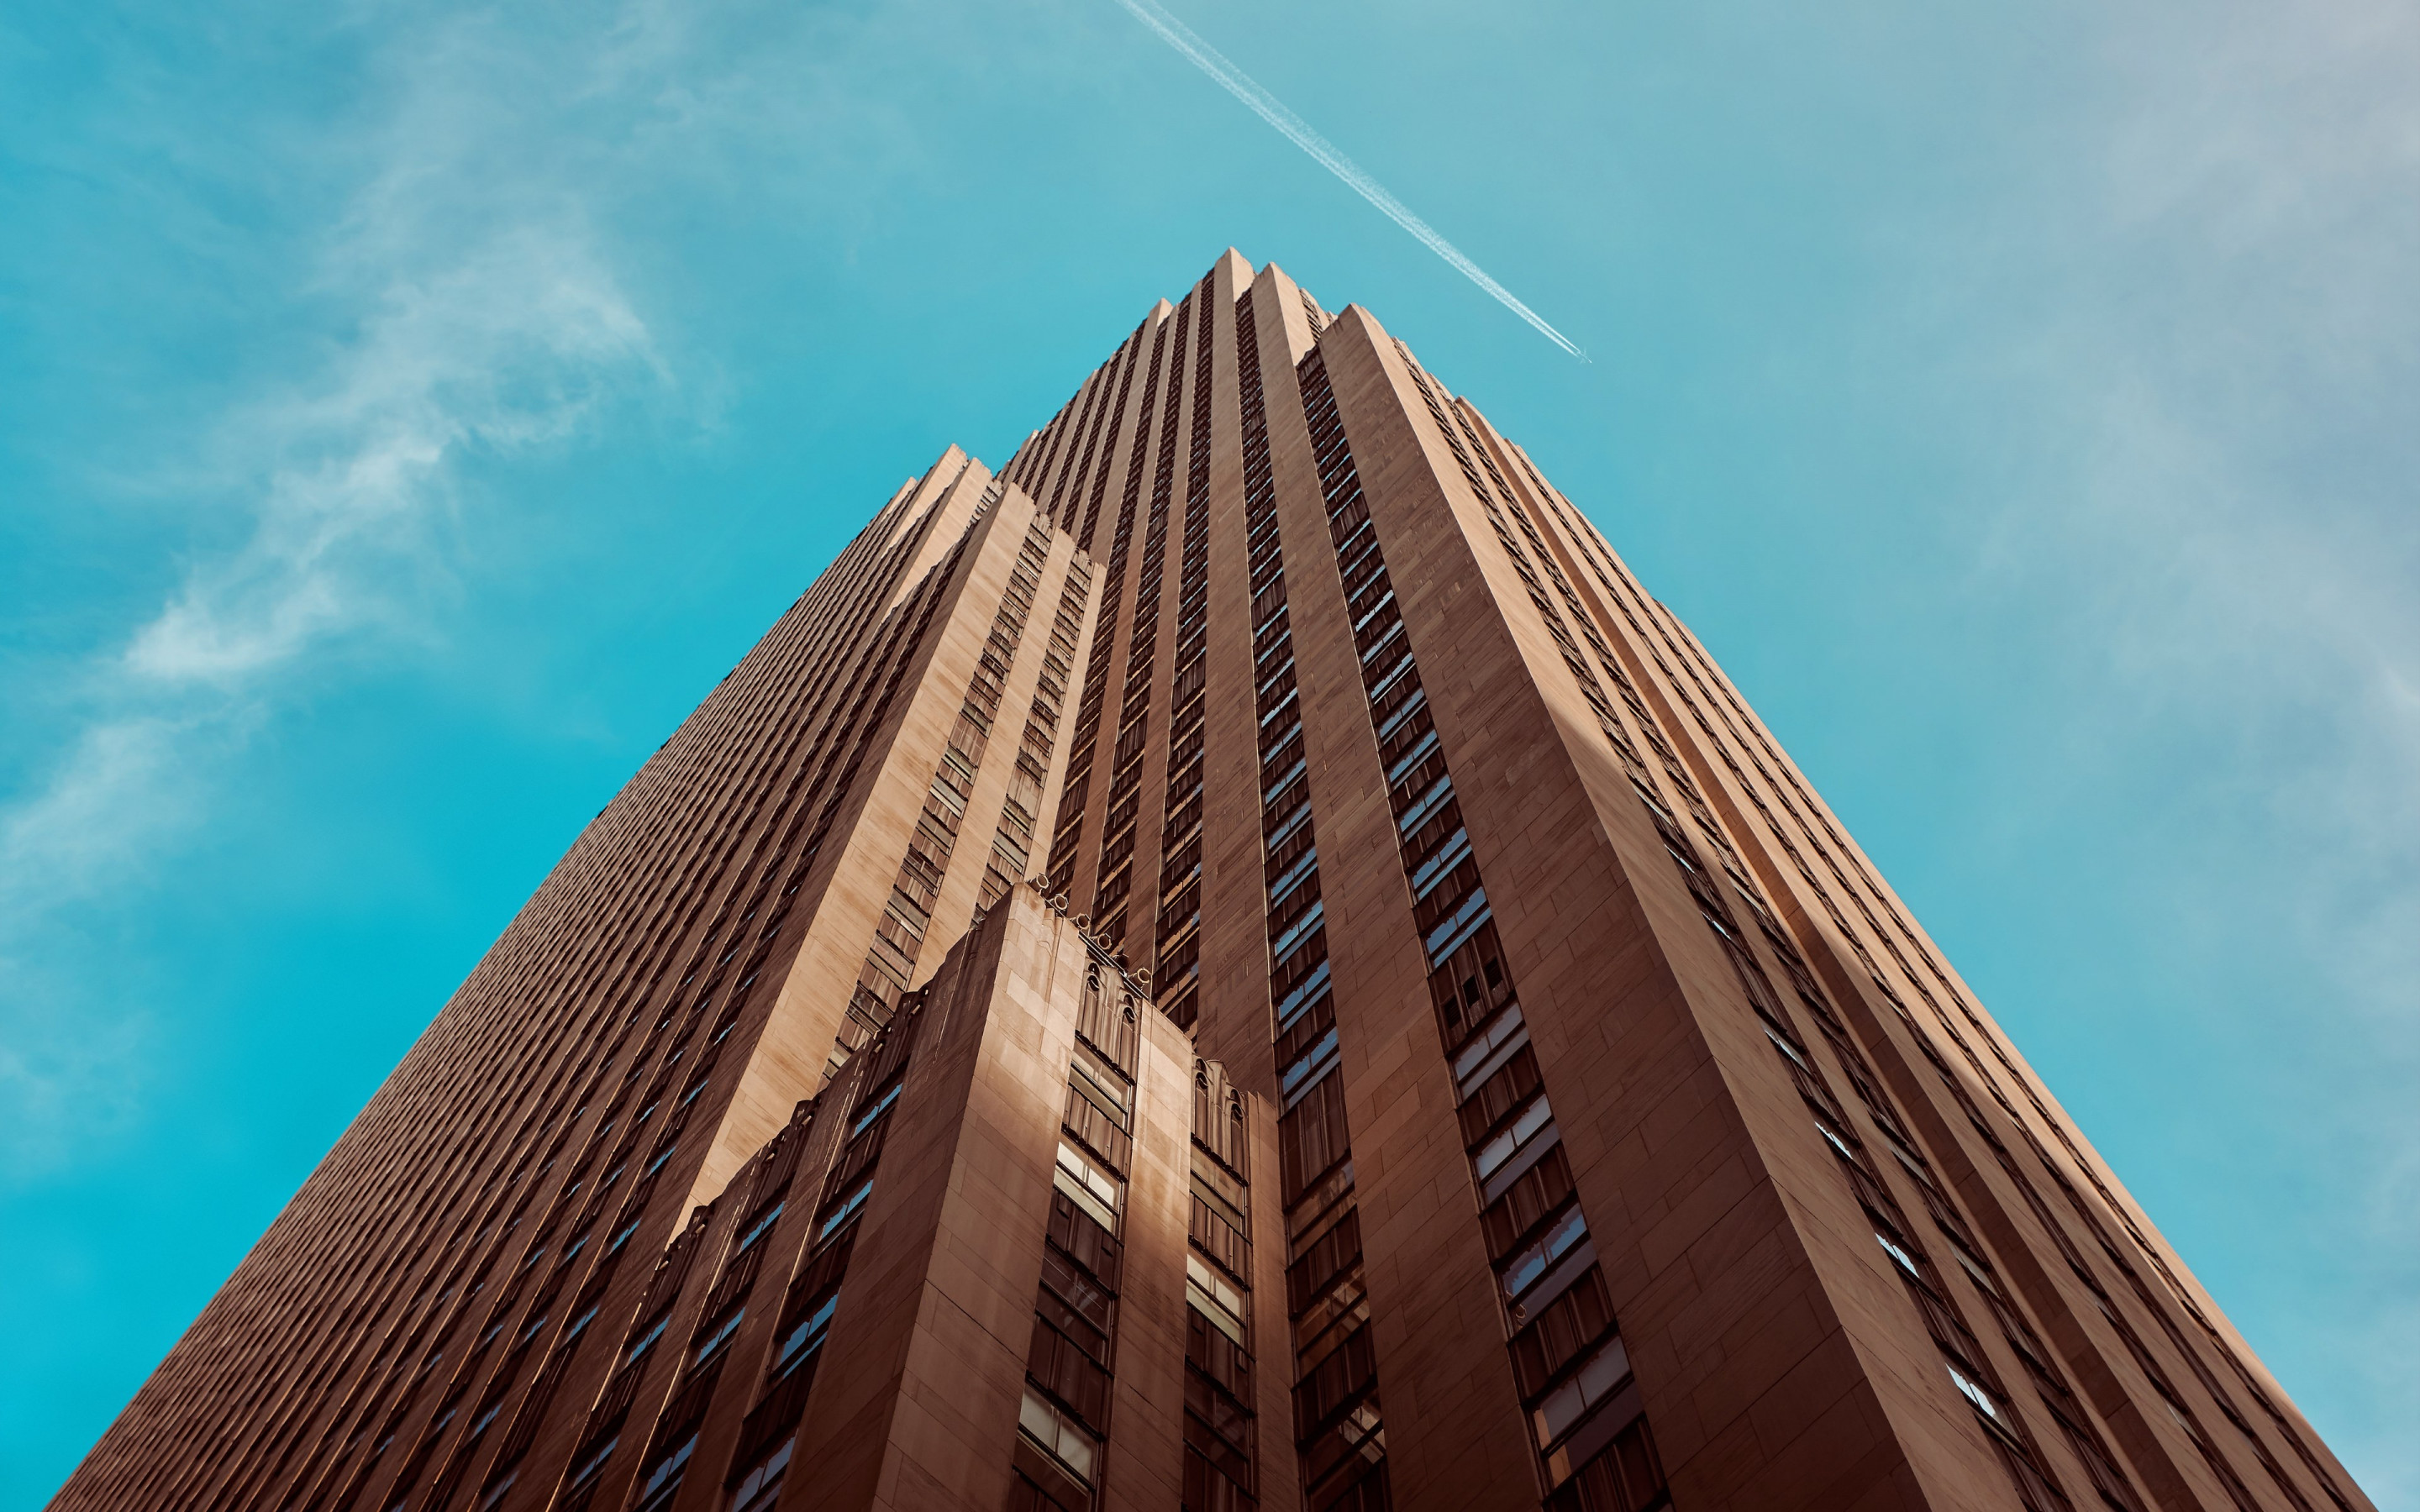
1239 962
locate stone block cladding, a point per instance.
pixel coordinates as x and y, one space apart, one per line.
1333 1003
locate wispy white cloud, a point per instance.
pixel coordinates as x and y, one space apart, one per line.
476 316
511 346
353 477
473 295
62 842
65 1081
72 1071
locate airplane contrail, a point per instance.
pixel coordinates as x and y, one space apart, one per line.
1270 109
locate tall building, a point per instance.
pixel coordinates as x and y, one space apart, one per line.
1240 961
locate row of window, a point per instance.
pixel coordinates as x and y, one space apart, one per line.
858 576
852 570
536 1396
1010 847
803 1323
1075 792
1575 1372
907 916
665 1463
1115 874
1115 417
1063 1420
1340 1432
1029 466
1176 950
1085 434
1035 460
645 1148
1221 1430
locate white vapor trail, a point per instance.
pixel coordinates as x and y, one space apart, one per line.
1270 109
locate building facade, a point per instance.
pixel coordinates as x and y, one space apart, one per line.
1241 962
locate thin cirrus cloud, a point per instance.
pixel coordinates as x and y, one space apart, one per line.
509 346
482 318
1328 156
468 273
513 345
510 349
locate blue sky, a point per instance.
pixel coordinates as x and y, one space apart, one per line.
410 411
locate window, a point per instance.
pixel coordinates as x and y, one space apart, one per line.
657 1164
1413 757
1840 1146
623 1237
1058 1433
757 1229
1492 1155
1980 1397
1906 1261
665 1478
1089 1187
579 1325
881 1105
1441 863
1292 874
807 1337
479 1424
595 1462
1283 945
1787 1048
1479 1059
1284 830
1290 1006
1311 1065
720 1335
495 1497
1214 1297
1077 1290
1591 1384
1533 1260
1418 813
1104 1081
1449 935
1222 1192
758 1487
647 1340
847 1210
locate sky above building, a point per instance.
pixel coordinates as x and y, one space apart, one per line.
410 411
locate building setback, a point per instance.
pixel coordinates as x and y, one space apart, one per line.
1239 962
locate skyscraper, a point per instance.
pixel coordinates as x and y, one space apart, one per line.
1240 961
